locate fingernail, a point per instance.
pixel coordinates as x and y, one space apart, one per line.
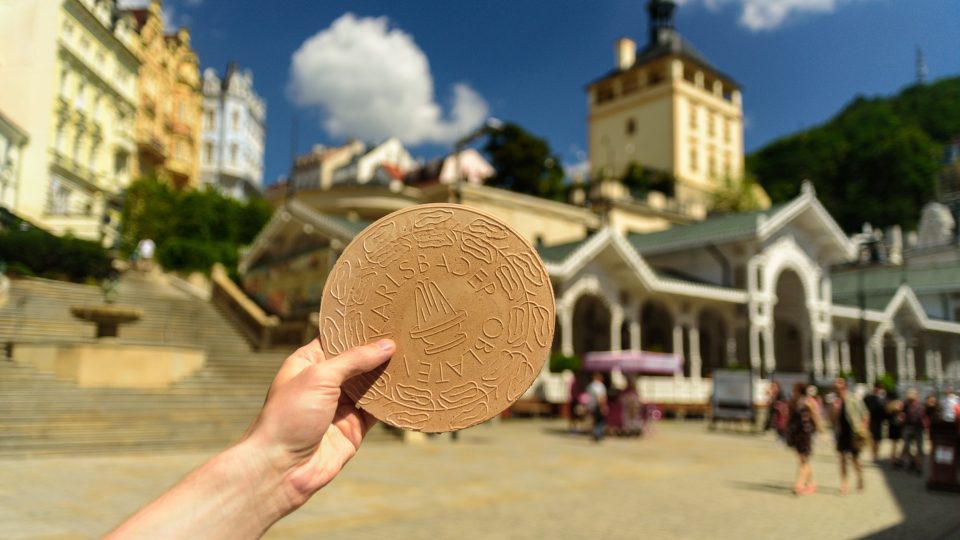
385 345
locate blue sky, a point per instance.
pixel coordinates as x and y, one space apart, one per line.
429 70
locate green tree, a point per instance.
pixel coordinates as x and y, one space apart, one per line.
192 229
524 163
876 161
642 180
744 195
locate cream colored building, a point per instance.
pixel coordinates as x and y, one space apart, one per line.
667 108
68 77
168 119
13 140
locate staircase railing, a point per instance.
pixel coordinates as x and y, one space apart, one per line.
255 323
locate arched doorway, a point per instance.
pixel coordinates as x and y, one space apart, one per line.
591 325
656 328
713 341
557 345
791 325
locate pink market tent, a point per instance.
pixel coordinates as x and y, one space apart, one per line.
642 362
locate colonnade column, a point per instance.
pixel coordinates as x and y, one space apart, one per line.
635 335
901 357
833 358
846 366
817 345
616 322
753 334
911 365
696 362
566 330
678 346
769 359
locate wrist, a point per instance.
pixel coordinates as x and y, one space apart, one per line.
258 468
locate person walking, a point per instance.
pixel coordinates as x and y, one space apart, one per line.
913 420
803 423
949 406
850 419
894 410
598 405
876 403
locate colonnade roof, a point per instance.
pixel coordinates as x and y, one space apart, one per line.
715 230
880 284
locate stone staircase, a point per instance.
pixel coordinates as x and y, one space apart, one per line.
40 414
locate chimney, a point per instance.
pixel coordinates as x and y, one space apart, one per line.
625 50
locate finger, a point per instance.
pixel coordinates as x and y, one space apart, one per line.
357 360
304 357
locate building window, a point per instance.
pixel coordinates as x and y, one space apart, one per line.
693 116
711 127
207 152
59 198
604 94
208 119
119 163
64 80
712 165
233 154
631 126
726 130
630 85
235 121
80 103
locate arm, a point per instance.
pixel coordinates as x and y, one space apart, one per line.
305 434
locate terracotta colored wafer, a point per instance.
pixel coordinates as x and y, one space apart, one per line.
467 301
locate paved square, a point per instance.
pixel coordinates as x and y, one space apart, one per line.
520 479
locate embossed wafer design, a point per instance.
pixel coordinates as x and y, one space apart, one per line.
466 299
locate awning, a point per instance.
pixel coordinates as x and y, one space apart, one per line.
651 363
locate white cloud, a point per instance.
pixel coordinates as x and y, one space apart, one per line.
760 15
373 82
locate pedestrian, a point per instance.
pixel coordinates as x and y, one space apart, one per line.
912 432
949 406
876 403
632 410
894 410
776 411
803 423
850 419
145 250
597 392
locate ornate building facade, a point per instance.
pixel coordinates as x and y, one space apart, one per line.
167 125
70 81
234 123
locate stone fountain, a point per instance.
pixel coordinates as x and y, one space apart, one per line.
107 317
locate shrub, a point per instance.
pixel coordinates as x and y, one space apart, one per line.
37 252
560 362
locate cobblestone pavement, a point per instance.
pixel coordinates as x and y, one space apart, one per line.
521 479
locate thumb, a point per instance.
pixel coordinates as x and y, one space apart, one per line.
355 361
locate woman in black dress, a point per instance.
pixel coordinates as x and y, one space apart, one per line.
802 426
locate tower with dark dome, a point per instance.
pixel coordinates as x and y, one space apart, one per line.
665 107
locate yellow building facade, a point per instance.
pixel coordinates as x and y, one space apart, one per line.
169 116
666 108
69 79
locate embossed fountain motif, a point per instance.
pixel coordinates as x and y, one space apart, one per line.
439 326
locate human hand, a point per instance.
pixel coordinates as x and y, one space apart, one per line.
308 428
